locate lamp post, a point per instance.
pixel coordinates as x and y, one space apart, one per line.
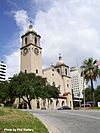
79 98
83 92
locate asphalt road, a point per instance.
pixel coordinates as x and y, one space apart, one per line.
76 121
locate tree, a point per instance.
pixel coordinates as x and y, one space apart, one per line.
88 94
50 91
26 85
7 93
97 94
3 94
90 72
29 86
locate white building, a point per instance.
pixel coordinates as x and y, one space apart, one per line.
76 82
31 62
3 69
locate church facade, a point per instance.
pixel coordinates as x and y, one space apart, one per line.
58 74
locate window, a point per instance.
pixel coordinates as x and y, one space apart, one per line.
2 71
3 65
25 71
3 68
25 40
2 78
2 75
58 70
66 71
36 71
35 40
67 85
53 83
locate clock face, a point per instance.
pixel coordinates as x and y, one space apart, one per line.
25 51
36 51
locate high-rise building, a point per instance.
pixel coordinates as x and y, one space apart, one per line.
3 69
77 82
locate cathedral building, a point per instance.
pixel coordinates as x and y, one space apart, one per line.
58 74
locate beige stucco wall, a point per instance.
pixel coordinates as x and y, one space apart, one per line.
31 61
53 76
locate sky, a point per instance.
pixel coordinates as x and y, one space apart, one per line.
69 27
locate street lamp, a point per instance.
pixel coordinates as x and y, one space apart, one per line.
79 98
83 91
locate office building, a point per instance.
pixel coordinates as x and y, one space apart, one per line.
3 69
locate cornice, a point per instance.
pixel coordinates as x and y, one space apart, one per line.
29 45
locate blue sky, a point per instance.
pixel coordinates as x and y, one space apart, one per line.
8 25
69 27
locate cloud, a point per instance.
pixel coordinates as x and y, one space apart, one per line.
13 60
43 5
71 28
13 64
22 19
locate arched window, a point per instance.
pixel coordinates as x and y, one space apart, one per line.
58 70
36 71
25 40
38 104
35 40
57 103
66 71
25 71
63 103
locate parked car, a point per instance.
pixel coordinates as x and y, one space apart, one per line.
43 108
86 105
64 108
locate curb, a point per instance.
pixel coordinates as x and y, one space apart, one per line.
50 127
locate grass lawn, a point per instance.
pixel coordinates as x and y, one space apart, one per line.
87 108
16 121
96 108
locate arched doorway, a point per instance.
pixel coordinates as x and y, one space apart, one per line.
57 103
63 103
51 104
38 104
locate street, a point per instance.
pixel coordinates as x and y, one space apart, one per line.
70 121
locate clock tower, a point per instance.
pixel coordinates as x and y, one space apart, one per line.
31 52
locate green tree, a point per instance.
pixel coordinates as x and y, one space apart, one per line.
29 86
26 85
3 94
90 72
97 94
88 94
49 92
7 93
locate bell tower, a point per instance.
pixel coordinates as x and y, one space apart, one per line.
31 52
61 68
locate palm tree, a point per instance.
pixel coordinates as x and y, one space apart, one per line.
90 72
